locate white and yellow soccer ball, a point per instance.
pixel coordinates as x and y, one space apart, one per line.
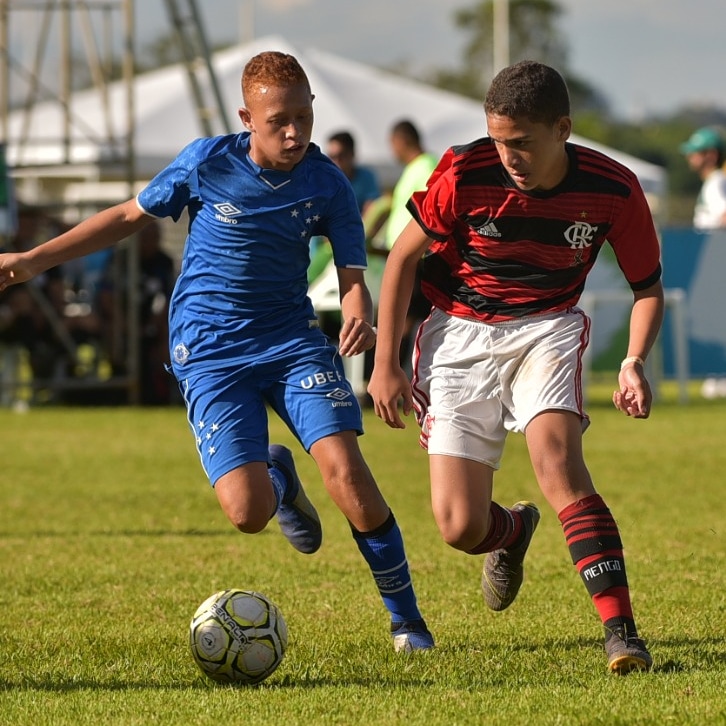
238 636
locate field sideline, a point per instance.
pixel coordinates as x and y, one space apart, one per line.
110 538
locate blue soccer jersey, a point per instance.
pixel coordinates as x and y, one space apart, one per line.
241 294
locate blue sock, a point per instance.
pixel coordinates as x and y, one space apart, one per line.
383 550
279 485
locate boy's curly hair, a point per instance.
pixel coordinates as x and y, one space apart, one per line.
271 68
531 90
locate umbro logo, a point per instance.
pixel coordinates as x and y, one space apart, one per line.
227 209
338 394
489 230
226 212
388 583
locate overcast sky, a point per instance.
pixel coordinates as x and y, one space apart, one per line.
645 55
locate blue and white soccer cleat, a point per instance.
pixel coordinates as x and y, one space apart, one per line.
411 635
296 515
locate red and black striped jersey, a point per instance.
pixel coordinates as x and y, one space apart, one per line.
500 253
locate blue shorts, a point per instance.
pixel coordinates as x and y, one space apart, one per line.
227 407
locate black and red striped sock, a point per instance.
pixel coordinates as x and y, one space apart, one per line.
596 549
506 529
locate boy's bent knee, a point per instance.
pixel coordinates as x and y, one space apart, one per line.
247 497
461 535
248 522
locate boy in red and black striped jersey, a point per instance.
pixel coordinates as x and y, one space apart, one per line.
509 227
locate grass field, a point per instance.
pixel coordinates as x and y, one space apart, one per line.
110 538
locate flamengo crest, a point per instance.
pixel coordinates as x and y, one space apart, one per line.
580 235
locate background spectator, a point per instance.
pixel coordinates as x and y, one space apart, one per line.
704 151
418 165
157 276
33 318
341 150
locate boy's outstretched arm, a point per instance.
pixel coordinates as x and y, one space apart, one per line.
103 229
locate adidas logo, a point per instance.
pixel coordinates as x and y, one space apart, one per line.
489 230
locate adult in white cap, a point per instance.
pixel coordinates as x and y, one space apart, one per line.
704 151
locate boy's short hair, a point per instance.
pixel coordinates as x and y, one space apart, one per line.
406 130
345 139
531 90
272 68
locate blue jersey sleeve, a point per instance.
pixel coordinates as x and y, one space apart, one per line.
173 188
345 230
342 224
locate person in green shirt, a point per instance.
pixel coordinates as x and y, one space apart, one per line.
417 167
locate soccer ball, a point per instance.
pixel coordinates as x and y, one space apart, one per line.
238 636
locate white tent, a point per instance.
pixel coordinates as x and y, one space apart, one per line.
349 95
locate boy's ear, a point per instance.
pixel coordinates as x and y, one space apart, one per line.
564 128
245 117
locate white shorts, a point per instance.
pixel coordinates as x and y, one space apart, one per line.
473 382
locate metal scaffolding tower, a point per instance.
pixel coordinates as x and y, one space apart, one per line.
196 55
39 58
33 30
45 47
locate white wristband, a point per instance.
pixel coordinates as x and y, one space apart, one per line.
631 359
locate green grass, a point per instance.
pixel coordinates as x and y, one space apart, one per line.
110 538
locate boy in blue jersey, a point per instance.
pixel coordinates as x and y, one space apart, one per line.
243 332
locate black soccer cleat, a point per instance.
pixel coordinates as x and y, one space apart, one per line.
626 653
503 571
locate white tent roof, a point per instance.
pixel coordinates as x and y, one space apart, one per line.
348 95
